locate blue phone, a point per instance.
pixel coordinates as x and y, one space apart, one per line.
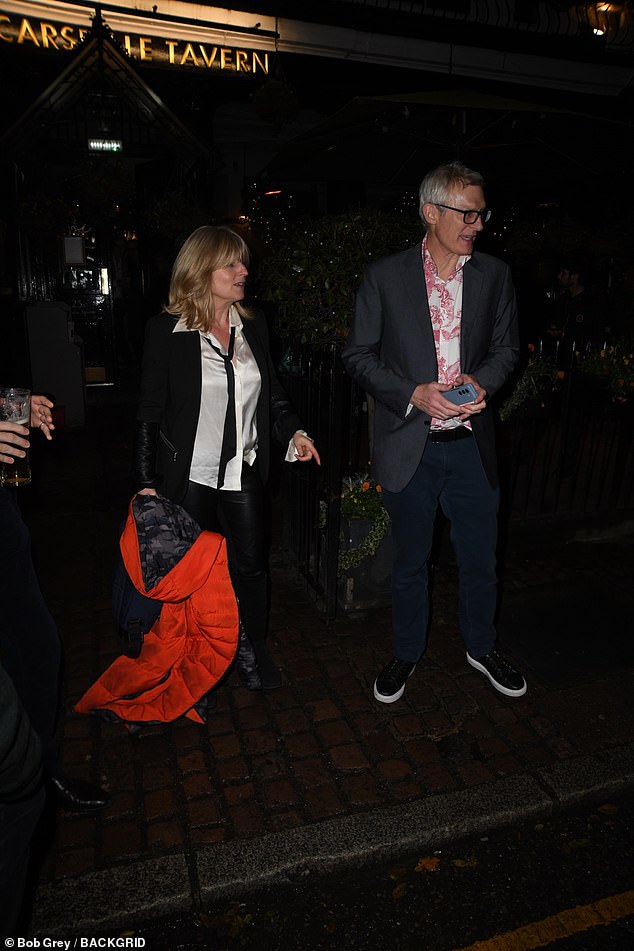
466 393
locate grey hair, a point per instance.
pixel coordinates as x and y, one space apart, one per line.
437 185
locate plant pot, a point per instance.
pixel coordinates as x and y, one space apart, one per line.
368 585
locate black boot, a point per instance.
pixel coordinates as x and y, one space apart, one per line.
270 673
77 795
246 662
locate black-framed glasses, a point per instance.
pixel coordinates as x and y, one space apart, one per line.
469 217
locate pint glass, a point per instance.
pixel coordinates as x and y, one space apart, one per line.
15 407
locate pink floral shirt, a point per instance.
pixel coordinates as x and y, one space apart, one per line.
445 307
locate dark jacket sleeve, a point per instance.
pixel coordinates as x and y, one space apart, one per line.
154 381
20 747
144 454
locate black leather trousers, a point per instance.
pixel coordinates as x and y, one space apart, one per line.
239 516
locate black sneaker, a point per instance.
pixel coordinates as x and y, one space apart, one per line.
502 675
390 684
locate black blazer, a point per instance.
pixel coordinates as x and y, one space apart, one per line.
171 387
390 350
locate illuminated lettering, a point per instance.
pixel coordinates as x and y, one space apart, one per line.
26 32
5 36
66 34
171 45
145 48
209 60
49 35
264 66
189 54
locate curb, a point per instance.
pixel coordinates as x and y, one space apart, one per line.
120 896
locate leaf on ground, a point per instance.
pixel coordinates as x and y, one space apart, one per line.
471 862
607 809
399 891
231 919
428 863
539 827
577 844
397 872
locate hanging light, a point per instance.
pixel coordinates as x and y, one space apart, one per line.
603 17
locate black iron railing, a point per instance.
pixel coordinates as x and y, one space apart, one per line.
567 452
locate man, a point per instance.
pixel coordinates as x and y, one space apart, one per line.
581 319
30 649
428 319
21 802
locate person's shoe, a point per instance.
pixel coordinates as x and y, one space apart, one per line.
76 795
390 684
502 675
270 673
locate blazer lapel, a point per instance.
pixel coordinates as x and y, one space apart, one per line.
414 280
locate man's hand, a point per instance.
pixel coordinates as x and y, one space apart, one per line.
428 398
13 441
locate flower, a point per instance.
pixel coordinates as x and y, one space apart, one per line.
361 497
613 365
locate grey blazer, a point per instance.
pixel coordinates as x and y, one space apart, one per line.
390 350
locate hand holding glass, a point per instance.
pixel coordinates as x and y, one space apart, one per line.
15 407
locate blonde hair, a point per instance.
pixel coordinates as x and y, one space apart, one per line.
204 251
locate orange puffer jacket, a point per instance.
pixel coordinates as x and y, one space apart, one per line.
189 647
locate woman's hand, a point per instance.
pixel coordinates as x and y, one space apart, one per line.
305 448
147 492
13 441
41 416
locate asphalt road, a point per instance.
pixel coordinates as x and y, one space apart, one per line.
566 883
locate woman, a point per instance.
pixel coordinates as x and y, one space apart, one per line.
210 403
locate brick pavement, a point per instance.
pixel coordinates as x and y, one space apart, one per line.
320 748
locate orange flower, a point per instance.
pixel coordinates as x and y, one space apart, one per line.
379 489
531 347
366 486
561 374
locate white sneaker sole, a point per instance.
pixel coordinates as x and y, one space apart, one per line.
382 698
507 691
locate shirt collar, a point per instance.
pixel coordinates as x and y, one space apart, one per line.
430 264
235 320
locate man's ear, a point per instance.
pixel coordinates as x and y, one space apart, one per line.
430 213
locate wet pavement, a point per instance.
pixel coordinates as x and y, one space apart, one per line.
317 775
563 883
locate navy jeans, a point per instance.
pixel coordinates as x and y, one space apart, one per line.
450 474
